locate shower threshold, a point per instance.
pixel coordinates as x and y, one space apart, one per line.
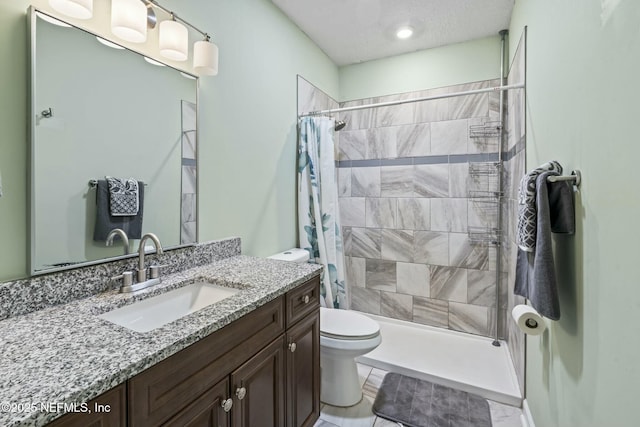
454 359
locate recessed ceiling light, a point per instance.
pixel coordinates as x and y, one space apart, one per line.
153 62
108 43
404 32
52 20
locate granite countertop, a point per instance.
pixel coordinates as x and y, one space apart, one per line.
66 354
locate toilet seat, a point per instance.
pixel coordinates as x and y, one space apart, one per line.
347 325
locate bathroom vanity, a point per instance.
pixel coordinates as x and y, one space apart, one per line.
252 359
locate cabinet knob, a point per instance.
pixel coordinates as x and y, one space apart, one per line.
305 299
227 404
292 347
241 393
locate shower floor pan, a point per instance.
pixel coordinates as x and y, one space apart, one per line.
454 359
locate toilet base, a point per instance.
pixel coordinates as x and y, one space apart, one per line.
340 382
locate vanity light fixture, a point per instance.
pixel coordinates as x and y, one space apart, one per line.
404 32
79 9
174 40
52 20
188 76
129 20
205 57
109 44
153 62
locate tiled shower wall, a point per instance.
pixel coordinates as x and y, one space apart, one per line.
514 167
403 184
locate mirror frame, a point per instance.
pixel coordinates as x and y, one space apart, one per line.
31 97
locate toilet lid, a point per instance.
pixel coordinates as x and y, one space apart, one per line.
346 324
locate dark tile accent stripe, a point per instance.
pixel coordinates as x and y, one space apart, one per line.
403 161
430 160
459 158
343 164
510 154
365 163
189 162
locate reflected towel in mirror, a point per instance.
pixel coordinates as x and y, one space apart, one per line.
105 222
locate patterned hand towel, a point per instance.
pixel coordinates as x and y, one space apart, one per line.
124 199
527 211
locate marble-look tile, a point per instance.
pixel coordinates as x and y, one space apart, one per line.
323 423
365 300
353 145
483 213
310 98
449 215
358 415
397 245
396 306
449 283
434 110
189 180
396 181
365 182
414 214
449 137
355 270
431 312
504 415
344 182
464 107
464 253
431 247
189 145
363 373
381 213
366 242
473 319
413 140
188 205
413 279
381 143
352 210
373 383
380 275
347 240
396 114
458 180
494 105
358 119
188 232
430 181
481 287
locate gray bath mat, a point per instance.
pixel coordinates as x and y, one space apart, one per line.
418 403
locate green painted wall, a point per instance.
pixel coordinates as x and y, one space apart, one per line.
247 122
583 65
426 69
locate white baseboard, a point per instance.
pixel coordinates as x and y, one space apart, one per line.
526 417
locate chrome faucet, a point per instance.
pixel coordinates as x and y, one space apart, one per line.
142 271
123 238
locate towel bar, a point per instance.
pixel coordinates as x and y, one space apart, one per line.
93 183
575 176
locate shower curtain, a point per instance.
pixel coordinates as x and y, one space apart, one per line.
318 215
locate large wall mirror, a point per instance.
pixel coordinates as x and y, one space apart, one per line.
98 111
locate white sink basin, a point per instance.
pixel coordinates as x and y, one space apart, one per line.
149 314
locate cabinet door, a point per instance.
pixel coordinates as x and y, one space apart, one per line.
258 389
303 372
209 410
107 410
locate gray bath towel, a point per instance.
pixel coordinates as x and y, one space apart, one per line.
535 271
105 222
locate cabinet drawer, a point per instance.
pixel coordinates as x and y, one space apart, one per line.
163 390
303 300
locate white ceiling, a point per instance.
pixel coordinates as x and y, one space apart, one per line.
351 31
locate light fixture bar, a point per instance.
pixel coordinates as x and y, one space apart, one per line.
154 3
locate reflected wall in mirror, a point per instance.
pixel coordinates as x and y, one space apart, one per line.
99 111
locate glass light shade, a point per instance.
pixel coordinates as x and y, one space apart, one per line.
108 43
205 58
174 40
79 9
129 20
52 20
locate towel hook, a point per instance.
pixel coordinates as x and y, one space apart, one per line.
47 113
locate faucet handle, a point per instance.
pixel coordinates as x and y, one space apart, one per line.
127 278
154 270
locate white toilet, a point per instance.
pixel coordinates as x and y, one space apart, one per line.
344 335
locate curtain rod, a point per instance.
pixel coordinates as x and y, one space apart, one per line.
406 101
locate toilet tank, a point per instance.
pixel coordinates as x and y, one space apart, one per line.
294 255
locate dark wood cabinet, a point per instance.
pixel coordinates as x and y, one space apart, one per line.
259 389
303 372
262 370
107 410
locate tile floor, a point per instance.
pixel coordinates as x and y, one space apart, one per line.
360 415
